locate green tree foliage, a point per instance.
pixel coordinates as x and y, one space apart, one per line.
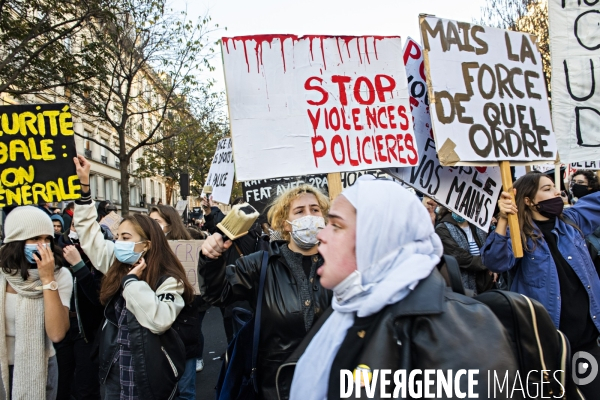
151 59
193 141
529 16
42 45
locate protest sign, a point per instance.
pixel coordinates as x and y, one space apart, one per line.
36 155
575 53
187 252
260 193
181 206
112 220
593 165
488 94
221 173
469 191
317 104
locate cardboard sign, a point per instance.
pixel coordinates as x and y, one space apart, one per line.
36 155
187 252
488 94
221 173
317 104
112 220
575 52
470 192
261 193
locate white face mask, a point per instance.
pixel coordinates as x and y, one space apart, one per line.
162 227
349 287
73 235
305 231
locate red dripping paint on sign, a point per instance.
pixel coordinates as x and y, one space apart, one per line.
259 41
367 50
311 38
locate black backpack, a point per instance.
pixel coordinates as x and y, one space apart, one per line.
537 344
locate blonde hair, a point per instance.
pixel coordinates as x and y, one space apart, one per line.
280 207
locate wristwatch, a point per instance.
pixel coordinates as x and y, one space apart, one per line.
52 286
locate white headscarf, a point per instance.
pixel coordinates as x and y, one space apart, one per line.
396 247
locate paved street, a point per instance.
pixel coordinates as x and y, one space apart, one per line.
215 344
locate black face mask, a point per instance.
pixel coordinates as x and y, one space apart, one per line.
550 208
580 190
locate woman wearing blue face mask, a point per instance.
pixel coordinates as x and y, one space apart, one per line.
34 305
293 296
144 290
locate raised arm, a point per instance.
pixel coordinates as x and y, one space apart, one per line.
222 284
586 213
99 251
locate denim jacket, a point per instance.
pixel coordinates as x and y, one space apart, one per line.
536 276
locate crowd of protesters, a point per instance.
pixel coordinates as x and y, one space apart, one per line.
91 313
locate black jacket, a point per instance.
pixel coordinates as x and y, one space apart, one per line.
282 323
432 328
67 219
85 300
465 260
156 376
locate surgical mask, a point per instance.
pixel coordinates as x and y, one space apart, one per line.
350 287
29 249
162 228
579 190
124 252
305 231
73 235
458 218
550 208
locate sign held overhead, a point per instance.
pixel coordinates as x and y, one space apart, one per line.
221 173
575 57
36 155
488 94
317 104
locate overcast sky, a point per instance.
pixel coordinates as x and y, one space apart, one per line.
335 17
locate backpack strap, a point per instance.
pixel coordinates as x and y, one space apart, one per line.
453 271
255 340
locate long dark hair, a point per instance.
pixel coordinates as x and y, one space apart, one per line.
160 260
13 261
171 217
527 187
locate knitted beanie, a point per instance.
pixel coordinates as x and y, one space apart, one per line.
27 222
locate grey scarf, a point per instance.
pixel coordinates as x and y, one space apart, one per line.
32 345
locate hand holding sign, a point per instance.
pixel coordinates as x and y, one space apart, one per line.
507 205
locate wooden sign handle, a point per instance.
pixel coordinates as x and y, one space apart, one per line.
334 182
513 220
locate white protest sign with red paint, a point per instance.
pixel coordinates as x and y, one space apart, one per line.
471 192
317 104
488 94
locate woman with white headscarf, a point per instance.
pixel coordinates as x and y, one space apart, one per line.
391 309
